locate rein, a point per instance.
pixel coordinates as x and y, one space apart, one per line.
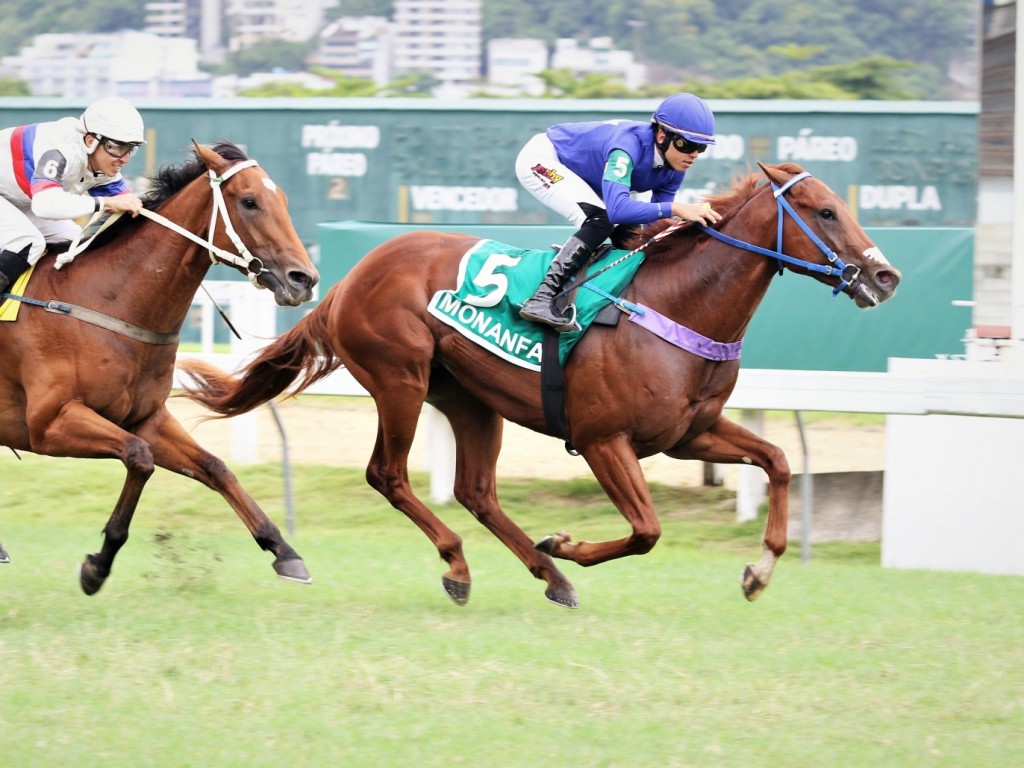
243 258
698 344
836 266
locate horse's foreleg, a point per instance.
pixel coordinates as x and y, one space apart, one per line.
477 443
174 449
729 443
617 470
4 557
79 432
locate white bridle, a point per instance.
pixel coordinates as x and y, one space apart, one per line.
243 258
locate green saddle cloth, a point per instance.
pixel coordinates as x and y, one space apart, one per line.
496 279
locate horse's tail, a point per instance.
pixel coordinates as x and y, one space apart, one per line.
298 355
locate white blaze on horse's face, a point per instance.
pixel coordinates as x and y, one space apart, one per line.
269 184
875 254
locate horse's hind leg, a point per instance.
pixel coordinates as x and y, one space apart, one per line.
478 440
174 449
398 409
4 557
729 443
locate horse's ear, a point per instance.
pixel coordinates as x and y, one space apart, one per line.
774 173
212 160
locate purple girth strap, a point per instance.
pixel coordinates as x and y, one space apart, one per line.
683 337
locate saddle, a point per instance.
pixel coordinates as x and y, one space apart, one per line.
495 281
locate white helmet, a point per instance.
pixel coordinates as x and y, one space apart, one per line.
114 118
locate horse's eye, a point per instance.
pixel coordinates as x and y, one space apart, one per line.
249 202
827 213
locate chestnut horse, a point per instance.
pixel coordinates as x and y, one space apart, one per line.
86 369
628 393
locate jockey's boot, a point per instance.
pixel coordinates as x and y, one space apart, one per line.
12 264
541 307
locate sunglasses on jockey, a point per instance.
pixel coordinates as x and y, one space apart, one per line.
685 145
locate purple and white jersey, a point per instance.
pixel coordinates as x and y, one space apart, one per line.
588 148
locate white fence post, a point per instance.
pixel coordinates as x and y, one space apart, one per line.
440 456
253 314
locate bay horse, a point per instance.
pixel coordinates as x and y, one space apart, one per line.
628 393
87 367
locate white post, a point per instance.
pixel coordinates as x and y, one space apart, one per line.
750 480
253 314
440 456
1015 351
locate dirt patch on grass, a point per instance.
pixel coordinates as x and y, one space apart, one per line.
340 431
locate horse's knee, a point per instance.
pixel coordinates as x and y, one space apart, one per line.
777 465
139 457
644 538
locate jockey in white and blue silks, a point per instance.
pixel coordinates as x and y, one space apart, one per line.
54 172
588 171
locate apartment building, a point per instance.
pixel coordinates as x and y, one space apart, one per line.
130 64
442 38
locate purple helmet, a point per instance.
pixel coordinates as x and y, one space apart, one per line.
688 116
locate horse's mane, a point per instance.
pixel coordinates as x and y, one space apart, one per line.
168 181
728 203
171 179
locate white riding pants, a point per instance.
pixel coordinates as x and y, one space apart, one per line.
549 180
19 228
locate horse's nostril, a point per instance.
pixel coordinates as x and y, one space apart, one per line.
300 279
887 278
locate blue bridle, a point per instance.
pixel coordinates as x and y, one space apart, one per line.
848 273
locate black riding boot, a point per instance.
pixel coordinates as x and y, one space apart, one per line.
540 308
12 264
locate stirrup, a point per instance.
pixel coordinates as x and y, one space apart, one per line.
570 326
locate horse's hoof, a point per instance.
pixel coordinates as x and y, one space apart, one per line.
293 570
752 586
458 591
563 596
89 577
4 557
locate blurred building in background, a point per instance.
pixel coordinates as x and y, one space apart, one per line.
129 64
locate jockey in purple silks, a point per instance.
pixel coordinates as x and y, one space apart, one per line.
587 172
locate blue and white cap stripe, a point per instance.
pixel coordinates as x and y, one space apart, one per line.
687 115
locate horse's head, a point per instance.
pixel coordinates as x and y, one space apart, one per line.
820 229
255 220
